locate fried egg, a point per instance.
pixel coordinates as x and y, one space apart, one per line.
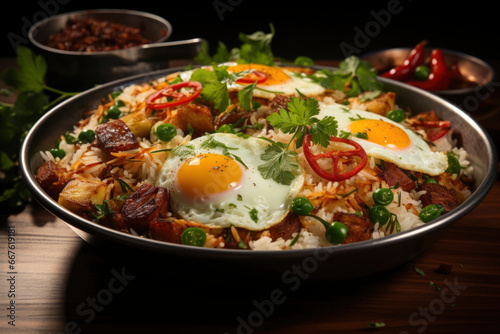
387 140
214 180
275 80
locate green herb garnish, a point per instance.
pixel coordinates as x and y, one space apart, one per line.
281 164
419 271
300 119
16 119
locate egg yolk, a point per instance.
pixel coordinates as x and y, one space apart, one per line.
275 76
382 133
209 174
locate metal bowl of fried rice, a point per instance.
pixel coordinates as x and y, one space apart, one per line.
335 261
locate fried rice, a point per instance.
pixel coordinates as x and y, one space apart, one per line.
142 165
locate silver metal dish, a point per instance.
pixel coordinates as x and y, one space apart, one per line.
472 68
335 262
77 71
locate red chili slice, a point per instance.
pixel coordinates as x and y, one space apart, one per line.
335 175
431 124
434 129
173 92
254 76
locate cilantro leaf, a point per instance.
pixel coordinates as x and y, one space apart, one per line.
281 164
214 89
354 76
296 120
300 119
322 130
218 93
30 75
221 55
102 211
27 80
256 48
245 97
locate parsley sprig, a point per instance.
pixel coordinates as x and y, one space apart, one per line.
255 48
353 76
33 99
281 164
300 119
215 83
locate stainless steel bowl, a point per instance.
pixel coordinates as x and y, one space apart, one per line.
77 71
336 262
472 68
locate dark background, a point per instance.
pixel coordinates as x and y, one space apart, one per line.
310 28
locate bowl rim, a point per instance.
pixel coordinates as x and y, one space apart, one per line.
41 23
455 53
92 228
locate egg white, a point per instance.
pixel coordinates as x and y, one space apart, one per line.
268 199
296 82
417 157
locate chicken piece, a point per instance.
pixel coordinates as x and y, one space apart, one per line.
81 194
438 194
143 206
286 228
197 116
50 176
139 123
115 136
164 230
394 176
359 228
231 117
380 105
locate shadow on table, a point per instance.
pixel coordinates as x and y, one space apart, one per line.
126 291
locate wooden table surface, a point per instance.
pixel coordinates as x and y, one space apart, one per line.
61 284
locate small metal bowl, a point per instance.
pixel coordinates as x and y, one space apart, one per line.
335 262
77 71
477 72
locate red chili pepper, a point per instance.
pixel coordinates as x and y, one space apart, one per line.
252 77
434 129
335 175
431 124
404 72
173 92
440 76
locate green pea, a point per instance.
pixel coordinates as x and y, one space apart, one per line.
86 136
114 95
193 236
431 212
383 196
303 61
379 214
301 206
113 112
396 115
422 72
58 153
119 103
336 233
166 132
226 128
431 180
